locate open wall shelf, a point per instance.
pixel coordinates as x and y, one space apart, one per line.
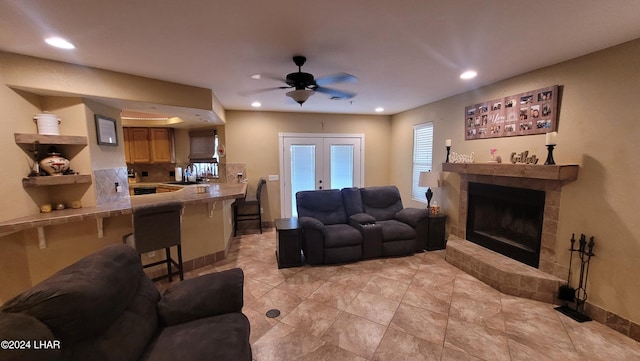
55 180
39 143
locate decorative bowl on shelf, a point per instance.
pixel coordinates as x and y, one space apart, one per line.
54 164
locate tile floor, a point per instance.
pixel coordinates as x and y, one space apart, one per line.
409 308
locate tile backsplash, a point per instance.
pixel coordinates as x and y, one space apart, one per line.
153 172
105 188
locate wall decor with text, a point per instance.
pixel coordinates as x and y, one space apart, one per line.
532 112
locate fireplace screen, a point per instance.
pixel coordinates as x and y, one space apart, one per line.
506 220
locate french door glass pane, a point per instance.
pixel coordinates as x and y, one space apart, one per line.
341 166
303 171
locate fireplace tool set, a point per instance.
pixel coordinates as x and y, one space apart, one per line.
579 295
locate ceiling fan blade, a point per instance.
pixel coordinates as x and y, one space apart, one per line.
260 76
336 78
257 91
335 93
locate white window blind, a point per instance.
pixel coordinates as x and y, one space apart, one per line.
422 157
341 166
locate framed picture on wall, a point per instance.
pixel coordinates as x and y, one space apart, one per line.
533 112
106 130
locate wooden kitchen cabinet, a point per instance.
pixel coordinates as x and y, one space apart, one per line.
149 145
161 145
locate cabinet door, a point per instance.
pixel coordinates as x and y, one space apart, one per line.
161 145
127 145
139 145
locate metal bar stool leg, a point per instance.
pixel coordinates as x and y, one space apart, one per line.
168 252
180 262
235 220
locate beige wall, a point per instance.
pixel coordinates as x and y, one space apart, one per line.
598 129
252 138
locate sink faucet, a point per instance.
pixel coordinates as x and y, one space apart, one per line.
191 172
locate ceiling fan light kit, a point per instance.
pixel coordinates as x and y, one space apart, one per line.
306 85
300 95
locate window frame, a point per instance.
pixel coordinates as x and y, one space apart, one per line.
422 159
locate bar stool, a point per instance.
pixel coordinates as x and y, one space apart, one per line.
241 205
157 226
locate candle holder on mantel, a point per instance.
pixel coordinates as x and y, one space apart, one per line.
448 151
579 296
550 160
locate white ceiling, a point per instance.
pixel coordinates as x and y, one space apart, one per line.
406 53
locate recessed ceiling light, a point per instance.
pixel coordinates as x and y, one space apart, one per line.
59 43
469 74
379 109
256 104
256 76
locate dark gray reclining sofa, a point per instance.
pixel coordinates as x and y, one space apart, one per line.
351 224
104 307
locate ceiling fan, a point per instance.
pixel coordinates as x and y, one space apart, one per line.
305 85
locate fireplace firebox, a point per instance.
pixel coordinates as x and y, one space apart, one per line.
506 220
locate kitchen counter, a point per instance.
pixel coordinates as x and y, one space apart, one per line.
36 246
187 194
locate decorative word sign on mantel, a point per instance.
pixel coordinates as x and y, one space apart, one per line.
533 112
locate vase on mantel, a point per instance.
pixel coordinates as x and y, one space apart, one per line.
54 164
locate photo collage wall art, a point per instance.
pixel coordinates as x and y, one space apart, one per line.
532 112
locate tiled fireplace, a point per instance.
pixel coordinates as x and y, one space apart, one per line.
503 273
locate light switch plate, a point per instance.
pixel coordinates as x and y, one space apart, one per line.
274 177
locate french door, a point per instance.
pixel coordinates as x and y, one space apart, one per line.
318 161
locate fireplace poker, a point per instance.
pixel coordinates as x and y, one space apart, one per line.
566 292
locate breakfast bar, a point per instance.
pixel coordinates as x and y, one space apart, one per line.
42 243
189 195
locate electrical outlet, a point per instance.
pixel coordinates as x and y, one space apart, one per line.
274 177
151 254
261 210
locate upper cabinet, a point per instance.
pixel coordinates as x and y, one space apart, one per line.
149 145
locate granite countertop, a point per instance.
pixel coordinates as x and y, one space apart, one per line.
187 194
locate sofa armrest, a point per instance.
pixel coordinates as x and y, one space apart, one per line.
312 223
204 296
412 216
361 219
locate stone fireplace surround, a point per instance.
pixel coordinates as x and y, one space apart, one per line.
509 276
501 272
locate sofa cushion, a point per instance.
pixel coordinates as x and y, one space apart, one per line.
324 205
381 202
81 301
393 230
341 235
221 338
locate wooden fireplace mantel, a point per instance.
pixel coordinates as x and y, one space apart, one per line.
568 172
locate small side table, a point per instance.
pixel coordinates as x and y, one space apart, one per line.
436 235
288 242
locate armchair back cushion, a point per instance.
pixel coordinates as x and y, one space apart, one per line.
352 201
381 202
323 205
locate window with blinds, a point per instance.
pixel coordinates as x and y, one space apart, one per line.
422 157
